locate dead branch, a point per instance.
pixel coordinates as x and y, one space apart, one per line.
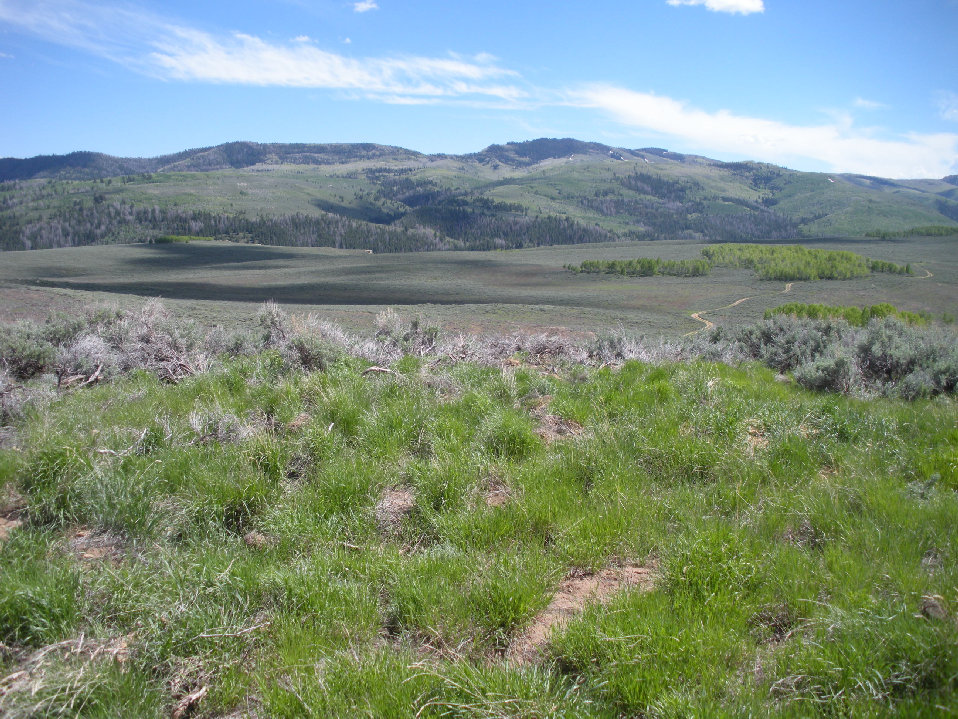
240 633
94 377
186 704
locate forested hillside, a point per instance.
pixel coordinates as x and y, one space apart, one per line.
389 199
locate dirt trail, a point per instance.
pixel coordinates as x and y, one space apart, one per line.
573 595
697 316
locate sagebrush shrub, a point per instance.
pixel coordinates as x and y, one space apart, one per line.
275 323
833 374
313 353
24 353
86 355
784 343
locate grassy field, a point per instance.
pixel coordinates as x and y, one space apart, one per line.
456 540
498 290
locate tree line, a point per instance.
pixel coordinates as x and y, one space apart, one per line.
794 262
644 267
770 262
857 316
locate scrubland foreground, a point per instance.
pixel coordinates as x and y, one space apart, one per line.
301 522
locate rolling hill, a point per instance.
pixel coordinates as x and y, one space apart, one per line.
540 192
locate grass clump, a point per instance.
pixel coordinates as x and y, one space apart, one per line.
39 602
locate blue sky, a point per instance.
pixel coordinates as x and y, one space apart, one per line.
852 85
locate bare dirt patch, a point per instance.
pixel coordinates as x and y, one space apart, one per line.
553 427
7 525
298 422
575 593
755 439
258 540
497 494
393 506
805 535
90 546
12 510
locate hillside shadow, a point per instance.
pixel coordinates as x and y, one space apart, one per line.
182 255
367 212
326 293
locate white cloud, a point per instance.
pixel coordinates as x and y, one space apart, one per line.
862 103
302 38
365 5
742 7
157 47
248 60
948 105
839 146
5 56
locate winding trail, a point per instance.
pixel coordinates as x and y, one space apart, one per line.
697 316
708 324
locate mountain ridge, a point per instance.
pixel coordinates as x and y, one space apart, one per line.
241 154
386 198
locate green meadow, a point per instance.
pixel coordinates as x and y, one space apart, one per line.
478 484
385 529
497 291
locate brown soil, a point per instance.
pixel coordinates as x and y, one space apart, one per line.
552 427
756 440
7 525
91 547
497 494
394 505
805 535
298 423
12 506
697 316
575 592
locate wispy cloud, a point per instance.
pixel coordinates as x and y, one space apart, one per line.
864 104
5 56
948 105
248 60
365 6
740 7
108 31
837 146
163 49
